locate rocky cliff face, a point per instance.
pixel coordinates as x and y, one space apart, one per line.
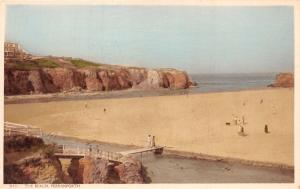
50 80
130 171
89 170
27 160
283 80
35 169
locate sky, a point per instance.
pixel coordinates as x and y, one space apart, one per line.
193 38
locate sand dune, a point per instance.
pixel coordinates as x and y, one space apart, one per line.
192 123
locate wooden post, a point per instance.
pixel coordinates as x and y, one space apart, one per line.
9 132
41 133
77 149
63 149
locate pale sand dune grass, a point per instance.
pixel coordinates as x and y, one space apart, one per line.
192 123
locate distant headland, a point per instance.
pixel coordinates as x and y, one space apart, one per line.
29 74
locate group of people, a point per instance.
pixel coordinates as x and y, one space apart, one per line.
150 141
242 122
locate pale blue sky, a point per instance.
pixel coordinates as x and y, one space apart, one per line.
193 38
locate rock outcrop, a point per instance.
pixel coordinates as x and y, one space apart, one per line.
28 160
51 80
91 170
32 170
130 171
283 80
39 169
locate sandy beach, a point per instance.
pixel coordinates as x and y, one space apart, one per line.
192 123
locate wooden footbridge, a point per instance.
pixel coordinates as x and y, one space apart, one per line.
75 151
155 149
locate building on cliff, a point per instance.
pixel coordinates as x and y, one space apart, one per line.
14 52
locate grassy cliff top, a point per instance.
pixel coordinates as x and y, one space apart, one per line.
79 63
32 64
52 62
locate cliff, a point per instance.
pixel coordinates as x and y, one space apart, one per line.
130 171
50 75
283 80
90 170
28 160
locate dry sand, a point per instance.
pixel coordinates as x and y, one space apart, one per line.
192 123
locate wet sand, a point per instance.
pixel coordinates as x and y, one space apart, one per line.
192 122
90 95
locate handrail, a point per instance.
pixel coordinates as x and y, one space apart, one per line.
15 124
79 151
12 128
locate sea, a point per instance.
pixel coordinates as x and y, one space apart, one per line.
231 82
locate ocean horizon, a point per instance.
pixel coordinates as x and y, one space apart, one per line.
219 82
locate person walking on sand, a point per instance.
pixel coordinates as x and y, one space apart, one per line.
149 141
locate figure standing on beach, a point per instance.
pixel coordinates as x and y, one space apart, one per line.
266 129
149 141
242 130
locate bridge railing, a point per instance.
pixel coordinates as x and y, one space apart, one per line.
75 150
68 149
114 156
15 129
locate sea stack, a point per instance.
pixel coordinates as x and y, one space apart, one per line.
283 80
